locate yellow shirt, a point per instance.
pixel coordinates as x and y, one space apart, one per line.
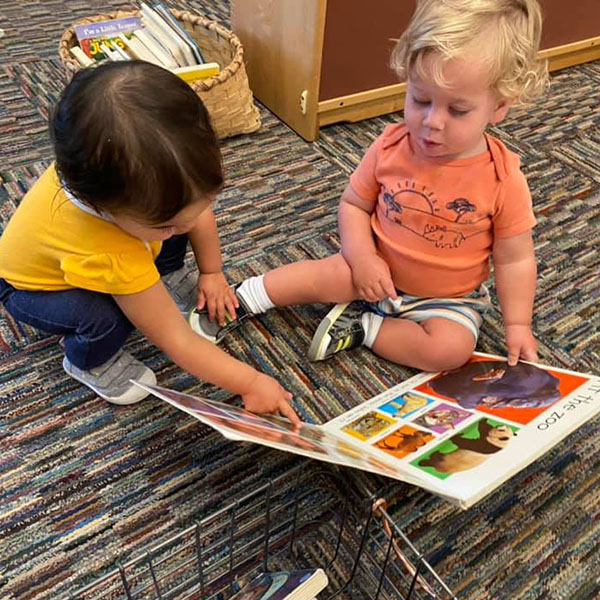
50 244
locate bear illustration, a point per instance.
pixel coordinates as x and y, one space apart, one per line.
470 452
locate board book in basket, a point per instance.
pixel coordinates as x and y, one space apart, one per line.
224 90
284 585
99 39
458 434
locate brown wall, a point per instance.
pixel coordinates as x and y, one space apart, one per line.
567 21
357 42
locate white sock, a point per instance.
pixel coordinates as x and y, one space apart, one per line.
252 291
371 323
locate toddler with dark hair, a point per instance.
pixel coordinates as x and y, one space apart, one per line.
97 246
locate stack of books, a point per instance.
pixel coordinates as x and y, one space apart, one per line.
156 36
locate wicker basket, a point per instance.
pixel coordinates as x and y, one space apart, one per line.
227 96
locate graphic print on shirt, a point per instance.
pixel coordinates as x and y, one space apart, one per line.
419 211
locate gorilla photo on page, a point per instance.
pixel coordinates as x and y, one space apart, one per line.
495 384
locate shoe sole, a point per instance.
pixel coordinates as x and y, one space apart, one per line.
193 321
141 394
317 346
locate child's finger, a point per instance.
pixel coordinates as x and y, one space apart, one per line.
211 306
372 296
201 300
513 355
230 307
234 298
382 291
374 293
287 411
390 289
220 312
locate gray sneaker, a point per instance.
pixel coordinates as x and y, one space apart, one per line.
111 380
183 287
340 329
211 330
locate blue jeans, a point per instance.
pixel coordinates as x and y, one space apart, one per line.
93 325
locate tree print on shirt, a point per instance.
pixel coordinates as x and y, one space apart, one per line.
419 212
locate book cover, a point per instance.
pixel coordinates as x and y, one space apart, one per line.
137 50
196 72
180 30
91 36
163 33
284 585
107 29
101 48
80 56
162 55
459 434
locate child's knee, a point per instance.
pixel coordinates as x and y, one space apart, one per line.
448 354
445 361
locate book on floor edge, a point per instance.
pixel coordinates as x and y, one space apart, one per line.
284 585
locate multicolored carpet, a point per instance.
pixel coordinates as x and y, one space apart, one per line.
83 483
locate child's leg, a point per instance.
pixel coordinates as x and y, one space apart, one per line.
303 282
172 254
328 280
94 330
431 334
180 280
434 345
93 326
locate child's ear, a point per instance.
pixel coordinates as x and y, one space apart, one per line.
502 107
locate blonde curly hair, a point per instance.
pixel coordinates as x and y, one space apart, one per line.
503 34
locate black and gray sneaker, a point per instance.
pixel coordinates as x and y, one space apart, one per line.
211 330
340 329
112 380
183 287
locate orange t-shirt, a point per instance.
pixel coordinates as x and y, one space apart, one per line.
434 221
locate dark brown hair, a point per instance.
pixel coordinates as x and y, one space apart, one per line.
133 138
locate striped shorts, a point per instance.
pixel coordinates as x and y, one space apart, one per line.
467 310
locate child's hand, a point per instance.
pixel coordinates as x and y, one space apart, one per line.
520 343
267 396
372 278
214 293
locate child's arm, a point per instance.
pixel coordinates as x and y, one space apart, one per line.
370 273
516 272
213 289
154 313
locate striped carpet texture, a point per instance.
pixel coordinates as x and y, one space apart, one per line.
84 483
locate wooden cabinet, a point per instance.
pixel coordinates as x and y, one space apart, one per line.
315 62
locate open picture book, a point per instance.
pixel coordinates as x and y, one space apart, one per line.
458 434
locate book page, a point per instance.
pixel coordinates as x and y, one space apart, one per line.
459 434
276 432
462 433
